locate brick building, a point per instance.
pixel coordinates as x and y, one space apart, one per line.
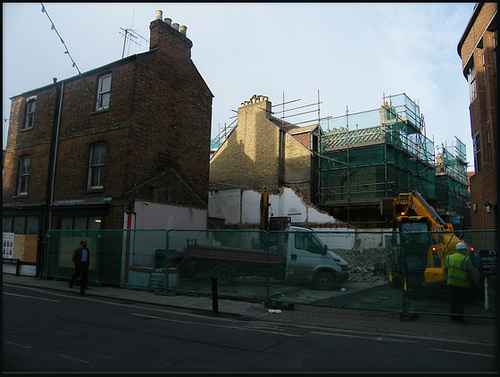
88 151
265 151
478 49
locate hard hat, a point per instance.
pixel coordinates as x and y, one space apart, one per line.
461 246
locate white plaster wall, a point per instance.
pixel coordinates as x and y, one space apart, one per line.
251 207
338 238
372 239
225 204
343 238
229 205
149 216
162 216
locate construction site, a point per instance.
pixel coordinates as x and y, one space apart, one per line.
360 162
368 158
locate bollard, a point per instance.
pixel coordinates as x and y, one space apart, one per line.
215 298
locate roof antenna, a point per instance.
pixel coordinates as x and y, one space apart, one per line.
128 34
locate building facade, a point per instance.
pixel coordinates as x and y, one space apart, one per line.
478 49
83 152
265 151
369 158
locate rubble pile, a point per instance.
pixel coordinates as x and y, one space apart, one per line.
366 265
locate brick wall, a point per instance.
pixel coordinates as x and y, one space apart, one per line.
159 118
252 158
251 153
483 115
34 142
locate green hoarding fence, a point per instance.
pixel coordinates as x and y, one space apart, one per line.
342 269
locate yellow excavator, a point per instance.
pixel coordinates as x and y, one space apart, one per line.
420 242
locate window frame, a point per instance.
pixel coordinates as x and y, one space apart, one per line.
23 175
29 116
476 145
471 79
103 92
90 221
99 165
307 242
488 139
21 224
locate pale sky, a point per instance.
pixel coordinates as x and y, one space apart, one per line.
352 53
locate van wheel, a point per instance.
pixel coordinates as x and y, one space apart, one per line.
224 274
324 281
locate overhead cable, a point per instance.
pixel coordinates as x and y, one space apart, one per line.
53 27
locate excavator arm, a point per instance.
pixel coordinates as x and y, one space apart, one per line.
413 204
412 212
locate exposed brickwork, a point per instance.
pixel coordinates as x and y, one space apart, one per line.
252 157
477 49
159 118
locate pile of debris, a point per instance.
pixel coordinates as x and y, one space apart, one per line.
366 265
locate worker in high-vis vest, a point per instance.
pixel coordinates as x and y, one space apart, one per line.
461 276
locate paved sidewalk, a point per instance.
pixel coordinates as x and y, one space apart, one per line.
476 330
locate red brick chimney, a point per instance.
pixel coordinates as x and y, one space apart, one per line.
169 37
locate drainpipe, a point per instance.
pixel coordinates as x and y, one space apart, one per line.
49 197
55 155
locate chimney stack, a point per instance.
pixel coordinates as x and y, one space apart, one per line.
169 37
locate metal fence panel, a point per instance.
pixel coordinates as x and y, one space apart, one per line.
377 270
427 289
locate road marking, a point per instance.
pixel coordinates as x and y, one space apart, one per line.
378 338
38 298
464 353
18 345
215 325
74 358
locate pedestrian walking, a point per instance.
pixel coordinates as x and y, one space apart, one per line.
461 276
81 260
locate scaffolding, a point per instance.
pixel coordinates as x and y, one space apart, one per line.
374 155
452 194
283 109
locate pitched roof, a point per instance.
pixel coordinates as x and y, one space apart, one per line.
299 130
340 138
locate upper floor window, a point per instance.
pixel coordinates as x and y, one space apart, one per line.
488 139
96 166
476 140
24 173
103 92
471 78
30 113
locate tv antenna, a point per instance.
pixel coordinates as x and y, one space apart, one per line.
130 35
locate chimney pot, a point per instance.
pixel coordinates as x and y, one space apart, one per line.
183 30
175 26
168 21
159 14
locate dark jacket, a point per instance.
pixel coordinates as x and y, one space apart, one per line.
77 255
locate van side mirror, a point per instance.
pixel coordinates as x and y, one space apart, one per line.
325 249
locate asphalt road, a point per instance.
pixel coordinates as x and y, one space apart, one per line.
57 332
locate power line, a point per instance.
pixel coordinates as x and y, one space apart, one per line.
53 27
